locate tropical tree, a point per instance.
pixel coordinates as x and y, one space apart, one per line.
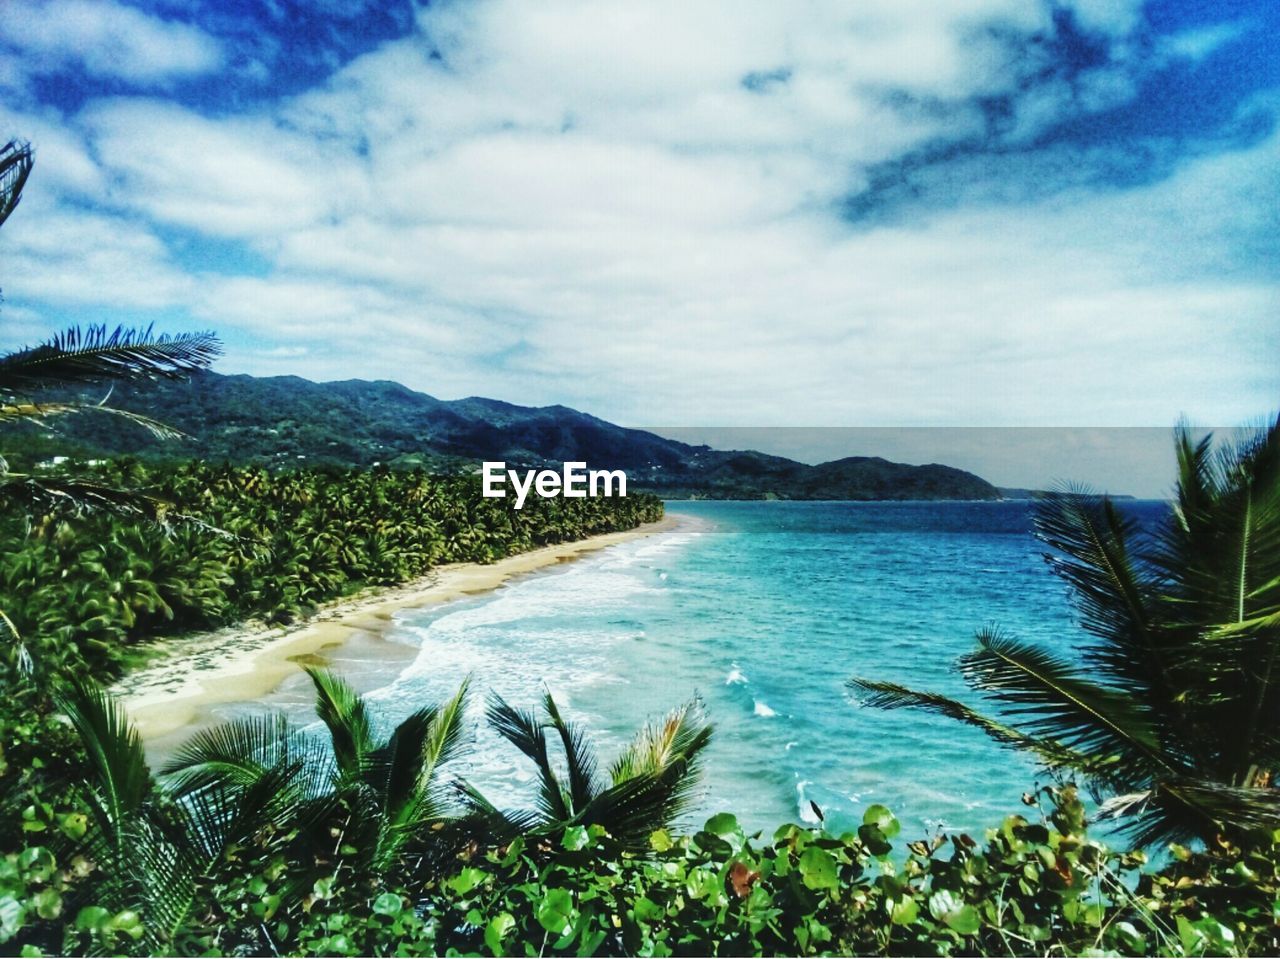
1171 705
381 806
648 786
91 356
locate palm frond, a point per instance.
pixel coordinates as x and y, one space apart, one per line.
15 167
346 716
1178 809
233 754
97 353
580 758
1053 755
632 809
525 731
404 772
120 780
398 766
65 495
497 825
40 413
679 737
1112 591
1045 696
446 732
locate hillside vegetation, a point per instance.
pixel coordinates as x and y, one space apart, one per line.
287 420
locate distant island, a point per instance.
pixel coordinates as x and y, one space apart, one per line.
289 421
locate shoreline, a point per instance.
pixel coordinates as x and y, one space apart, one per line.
175 693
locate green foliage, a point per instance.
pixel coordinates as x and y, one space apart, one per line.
81 589
1171 703
649 784
258 842
1035 885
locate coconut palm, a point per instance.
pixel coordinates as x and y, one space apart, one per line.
259 783
384 799
648 786
150 855
1172 705
74 357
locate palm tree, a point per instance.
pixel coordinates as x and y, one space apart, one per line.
1172 708
158 844
649 784
74 357
91 356
150 855
94 355
384 799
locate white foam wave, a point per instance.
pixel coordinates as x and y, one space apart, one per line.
804 806
557 631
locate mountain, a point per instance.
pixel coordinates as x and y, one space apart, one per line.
287 420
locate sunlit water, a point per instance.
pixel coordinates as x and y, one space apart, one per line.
764 610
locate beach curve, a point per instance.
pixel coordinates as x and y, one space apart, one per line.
245 662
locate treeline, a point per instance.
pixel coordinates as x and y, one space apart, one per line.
235 543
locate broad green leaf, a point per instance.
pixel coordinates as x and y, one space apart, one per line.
556 913
884 820
496 930
818 869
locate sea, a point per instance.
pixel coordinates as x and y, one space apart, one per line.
762 611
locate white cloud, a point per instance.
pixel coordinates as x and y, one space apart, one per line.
107 39
584 203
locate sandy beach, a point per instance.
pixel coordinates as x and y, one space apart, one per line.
175 693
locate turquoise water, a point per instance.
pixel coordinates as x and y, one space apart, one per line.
764 610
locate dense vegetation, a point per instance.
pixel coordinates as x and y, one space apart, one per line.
82 588
287 420
1171 706
259 841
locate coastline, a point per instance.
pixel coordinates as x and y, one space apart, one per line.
175 693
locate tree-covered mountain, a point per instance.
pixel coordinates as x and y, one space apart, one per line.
287 420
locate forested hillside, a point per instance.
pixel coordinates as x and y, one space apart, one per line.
290 421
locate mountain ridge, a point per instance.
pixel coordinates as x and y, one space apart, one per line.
290 420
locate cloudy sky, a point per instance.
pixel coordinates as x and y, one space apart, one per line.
687 213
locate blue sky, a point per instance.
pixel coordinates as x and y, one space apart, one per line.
884 212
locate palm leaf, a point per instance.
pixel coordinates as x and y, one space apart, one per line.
679 736
1046 697
74 496
1112 592
633 809
1178 809
525 731
1053 755
15 167
580 759
39 413
346 716
120 780
96 353
236 754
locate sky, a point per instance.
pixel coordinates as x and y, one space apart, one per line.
671 214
